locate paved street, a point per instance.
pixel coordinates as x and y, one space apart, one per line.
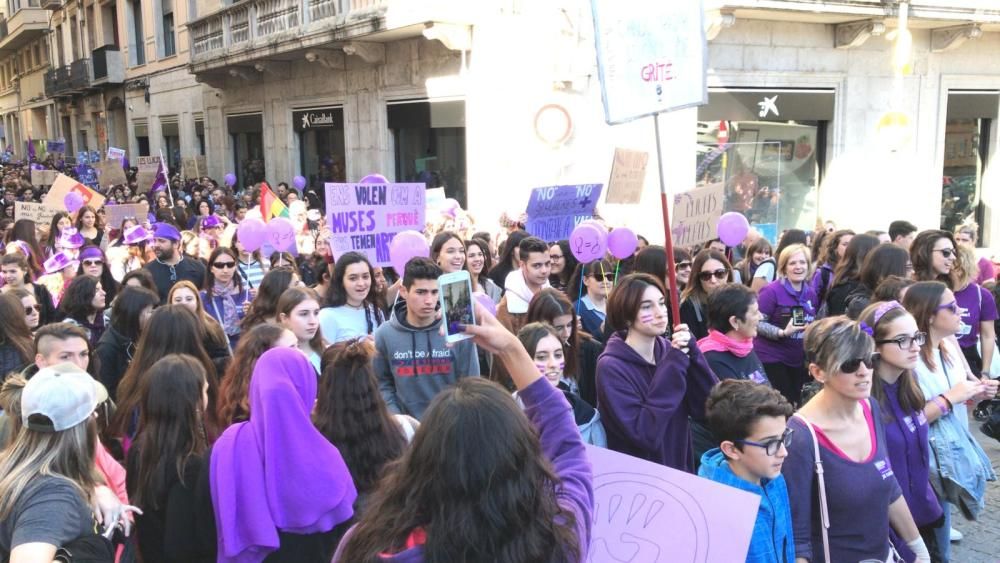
981 543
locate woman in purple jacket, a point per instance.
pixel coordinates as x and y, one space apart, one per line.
647 386
483 481
788 305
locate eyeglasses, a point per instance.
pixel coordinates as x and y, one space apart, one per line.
224 265
905 342
555 256
93 262
771 446
852 366
600 277
719 274
682 266
953 307
30 309
945 252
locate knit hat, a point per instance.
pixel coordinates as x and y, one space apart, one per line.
59 397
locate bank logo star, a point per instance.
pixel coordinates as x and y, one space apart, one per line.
768 105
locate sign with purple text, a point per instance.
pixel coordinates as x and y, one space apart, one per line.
554 211
366 217
646 512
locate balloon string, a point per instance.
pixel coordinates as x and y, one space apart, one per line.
618 265
579 299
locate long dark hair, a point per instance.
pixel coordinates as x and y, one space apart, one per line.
483 246
602 266
921 300
440 240
234 393
550 303
849 267
911 398
568 258
50 242
694 289
173 329
336 294
514 239
292 298
352 415
127 310
210 277
883 261
172 430
78 300
24 231
922 256
829 254
108 283
476 480
14 330
265 305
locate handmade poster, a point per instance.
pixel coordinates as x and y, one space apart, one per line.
115 214
696 213
194 167
554 211
435 199
40 213
116 154
646 512
43 177
55 146
63 185
110 173
87 175
651 57
366 217
148 167
628 171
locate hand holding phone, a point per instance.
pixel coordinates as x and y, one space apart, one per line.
798 316
457 308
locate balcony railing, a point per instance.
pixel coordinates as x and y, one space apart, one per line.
71 79
244 24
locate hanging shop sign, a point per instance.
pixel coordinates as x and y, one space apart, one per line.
319 118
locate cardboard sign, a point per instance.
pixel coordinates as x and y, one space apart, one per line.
366 217
628 171
43 177
554 211
696 214
110 173
646 512
649 60
116 154
63 185
148 166
55 146
40 213
115 214
194 167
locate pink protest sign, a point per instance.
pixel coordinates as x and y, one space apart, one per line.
365 217
654 514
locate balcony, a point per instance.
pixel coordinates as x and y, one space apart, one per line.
251 30
108 66
23 27
75 78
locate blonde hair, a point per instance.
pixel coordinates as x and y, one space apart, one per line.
10 402
834 340
965 269
970 228
786 257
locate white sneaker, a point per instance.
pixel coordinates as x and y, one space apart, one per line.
956 536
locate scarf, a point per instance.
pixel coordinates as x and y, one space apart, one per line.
230 317
276 471
718 342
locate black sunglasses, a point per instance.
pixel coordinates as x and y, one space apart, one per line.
852 366
600 277
224 265
719 274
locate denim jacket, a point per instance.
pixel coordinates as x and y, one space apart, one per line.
959 466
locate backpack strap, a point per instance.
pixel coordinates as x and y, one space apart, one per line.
824 513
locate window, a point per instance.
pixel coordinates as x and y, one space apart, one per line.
429 144
966 155
171 141
247 134
141 137
199 132
136 38
321 144
167 28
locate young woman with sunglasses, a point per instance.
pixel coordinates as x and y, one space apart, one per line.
856 495
895 388
598 279
709 271
933 256
16 272
30 304
788 305
225 297
94 263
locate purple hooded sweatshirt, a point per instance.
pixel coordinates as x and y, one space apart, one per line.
550 413
645 407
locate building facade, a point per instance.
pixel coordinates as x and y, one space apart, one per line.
25 109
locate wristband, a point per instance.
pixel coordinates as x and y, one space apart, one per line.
941 404
919 548
947 400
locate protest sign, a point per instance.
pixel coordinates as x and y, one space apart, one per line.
194 167
628 170
43 177
110 173
366 217
644 511
650 60
435 199
55 146
696 214
40 213
115 214
63 185
553 211
116 154
148 166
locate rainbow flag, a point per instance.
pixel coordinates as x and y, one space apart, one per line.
270 205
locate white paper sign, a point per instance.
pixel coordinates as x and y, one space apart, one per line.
651 56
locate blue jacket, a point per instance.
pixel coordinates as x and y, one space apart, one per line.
959 466
772 539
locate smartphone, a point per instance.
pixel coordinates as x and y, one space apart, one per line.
455 292
798 316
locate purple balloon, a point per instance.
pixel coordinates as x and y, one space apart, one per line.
622 242
404 246
299 182
374 179
281 235
73 201
587 243
229 179
251 233
733 228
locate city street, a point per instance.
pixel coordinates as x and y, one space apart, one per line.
981 543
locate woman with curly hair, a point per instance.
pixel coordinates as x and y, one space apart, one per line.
234 400
83 305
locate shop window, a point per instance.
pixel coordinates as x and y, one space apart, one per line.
141 137
171 141
199 133
322 152
970 118
429 142
247 134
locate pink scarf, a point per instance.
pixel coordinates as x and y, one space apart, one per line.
718 342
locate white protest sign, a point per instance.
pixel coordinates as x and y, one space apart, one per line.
628 170
148 167
40 213
366 217
696 214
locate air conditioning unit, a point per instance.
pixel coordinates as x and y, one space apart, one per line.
52 4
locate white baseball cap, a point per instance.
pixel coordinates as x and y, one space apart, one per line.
60 397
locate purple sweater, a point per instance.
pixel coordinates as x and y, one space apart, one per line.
548 410
776 300
645 407
858 496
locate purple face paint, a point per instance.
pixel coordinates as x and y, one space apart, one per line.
562 367
541 368
646 318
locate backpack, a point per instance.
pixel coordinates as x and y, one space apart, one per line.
92 548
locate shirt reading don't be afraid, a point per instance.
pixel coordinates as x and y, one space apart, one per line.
414 364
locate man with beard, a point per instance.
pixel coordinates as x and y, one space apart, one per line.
170 266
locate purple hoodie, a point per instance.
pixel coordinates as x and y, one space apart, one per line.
550 413
645 407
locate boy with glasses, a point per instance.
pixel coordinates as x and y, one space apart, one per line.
749 420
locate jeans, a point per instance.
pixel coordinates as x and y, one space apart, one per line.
943 533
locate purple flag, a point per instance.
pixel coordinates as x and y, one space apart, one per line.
161 177
31 149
